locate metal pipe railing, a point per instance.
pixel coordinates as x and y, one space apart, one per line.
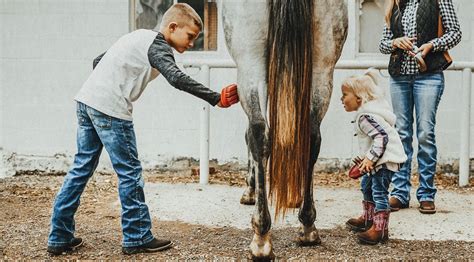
465 136
204 131
466 67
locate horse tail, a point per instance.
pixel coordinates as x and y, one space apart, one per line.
289 77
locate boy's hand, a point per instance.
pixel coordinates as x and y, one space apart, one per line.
229 96
366 165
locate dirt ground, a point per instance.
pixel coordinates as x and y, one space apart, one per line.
26 201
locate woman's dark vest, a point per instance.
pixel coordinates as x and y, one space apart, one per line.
427 23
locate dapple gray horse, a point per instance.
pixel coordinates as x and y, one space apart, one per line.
285 51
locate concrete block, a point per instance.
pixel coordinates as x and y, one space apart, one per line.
58 25
72 7
63 48
20 47
106 6
111 25
19 6
7 168
22 25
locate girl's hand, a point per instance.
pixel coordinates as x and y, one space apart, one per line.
405 43
366 165
357 160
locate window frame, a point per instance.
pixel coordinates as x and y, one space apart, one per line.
357 12
205 54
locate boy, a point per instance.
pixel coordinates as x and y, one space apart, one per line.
104 111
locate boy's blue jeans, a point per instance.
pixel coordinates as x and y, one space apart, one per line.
97 130
375 188
422 94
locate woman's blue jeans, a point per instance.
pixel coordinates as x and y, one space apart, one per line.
374 188
419 95
95 131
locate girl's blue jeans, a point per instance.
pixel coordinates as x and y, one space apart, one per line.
95 131
417 95
374 188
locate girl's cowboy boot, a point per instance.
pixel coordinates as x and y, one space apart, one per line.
364 222
378 232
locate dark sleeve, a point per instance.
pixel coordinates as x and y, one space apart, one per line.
97 60
161 57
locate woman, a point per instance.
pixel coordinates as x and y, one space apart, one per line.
428 27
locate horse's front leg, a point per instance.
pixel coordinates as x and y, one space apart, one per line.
308 234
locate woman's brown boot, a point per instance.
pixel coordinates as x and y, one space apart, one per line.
378 232
363 222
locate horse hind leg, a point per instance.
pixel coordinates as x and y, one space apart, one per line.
308 234
248 197
261 247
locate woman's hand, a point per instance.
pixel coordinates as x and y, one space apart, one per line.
405 43
366 165
425 49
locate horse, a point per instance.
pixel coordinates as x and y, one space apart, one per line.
285 52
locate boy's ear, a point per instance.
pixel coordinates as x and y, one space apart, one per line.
172 26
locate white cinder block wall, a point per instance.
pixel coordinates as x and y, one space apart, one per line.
47 48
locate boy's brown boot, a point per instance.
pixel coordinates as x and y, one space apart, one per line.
363 222
154 245
378 232
73 244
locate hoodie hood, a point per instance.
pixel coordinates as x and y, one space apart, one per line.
380 107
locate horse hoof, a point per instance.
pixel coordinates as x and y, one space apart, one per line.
262 259
308 236
248 197
261 248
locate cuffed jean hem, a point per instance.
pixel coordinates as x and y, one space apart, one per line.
138 243
400 199
58 244
429 199
379 210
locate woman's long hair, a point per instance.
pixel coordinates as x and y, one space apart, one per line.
389 9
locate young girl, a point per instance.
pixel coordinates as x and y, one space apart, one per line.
381 153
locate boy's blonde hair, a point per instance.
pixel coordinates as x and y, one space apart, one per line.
365 86
182 14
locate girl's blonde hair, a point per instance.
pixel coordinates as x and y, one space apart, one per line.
365 86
